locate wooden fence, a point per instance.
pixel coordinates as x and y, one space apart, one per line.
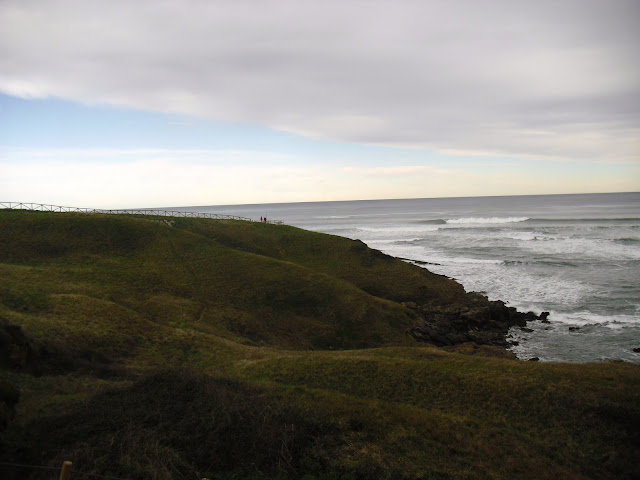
154 212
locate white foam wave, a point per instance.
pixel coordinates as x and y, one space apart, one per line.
585 248
465 261
423 254
407 240
523 236
394 230
485 220
519 287
585 318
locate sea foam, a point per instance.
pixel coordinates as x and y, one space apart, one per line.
484 220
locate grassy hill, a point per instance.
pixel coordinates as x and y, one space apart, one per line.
233 349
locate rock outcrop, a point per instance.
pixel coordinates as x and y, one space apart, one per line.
483 322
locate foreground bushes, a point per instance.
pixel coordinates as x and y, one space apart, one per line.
177 424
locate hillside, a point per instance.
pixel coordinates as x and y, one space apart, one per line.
234 349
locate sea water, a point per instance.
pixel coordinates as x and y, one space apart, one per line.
576 256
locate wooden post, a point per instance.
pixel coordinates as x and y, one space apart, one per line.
66 470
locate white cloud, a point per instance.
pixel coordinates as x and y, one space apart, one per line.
455 76
174 178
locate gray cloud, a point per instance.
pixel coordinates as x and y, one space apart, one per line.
549 79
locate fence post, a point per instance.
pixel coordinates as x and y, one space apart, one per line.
66 470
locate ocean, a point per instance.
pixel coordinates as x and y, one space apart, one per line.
575 256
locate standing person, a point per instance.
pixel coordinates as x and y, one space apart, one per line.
261 219
265 219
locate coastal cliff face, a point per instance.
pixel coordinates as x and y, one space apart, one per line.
231 349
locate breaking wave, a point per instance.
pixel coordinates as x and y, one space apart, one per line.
483 220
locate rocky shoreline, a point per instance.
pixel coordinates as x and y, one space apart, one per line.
484 322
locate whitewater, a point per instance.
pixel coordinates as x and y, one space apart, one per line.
576 256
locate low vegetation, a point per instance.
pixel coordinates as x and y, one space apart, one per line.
231 349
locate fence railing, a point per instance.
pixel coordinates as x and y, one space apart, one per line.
154 212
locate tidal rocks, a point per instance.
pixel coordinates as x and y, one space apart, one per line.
482 322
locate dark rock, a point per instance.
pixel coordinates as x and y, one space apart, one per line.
534 359
499 311
477 320
544 316
22 353
527 330
637 349
441 340
457 338
573 329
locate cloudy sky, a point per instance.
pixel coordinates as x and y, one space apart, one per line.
193 102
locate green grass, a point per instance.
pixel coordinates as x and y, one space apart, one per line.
370 270
233 349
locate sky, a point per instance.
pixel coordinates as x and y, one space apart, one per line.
120 104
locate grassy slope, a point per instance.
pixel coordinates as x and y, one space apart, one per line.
370 270
241 304
136 268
